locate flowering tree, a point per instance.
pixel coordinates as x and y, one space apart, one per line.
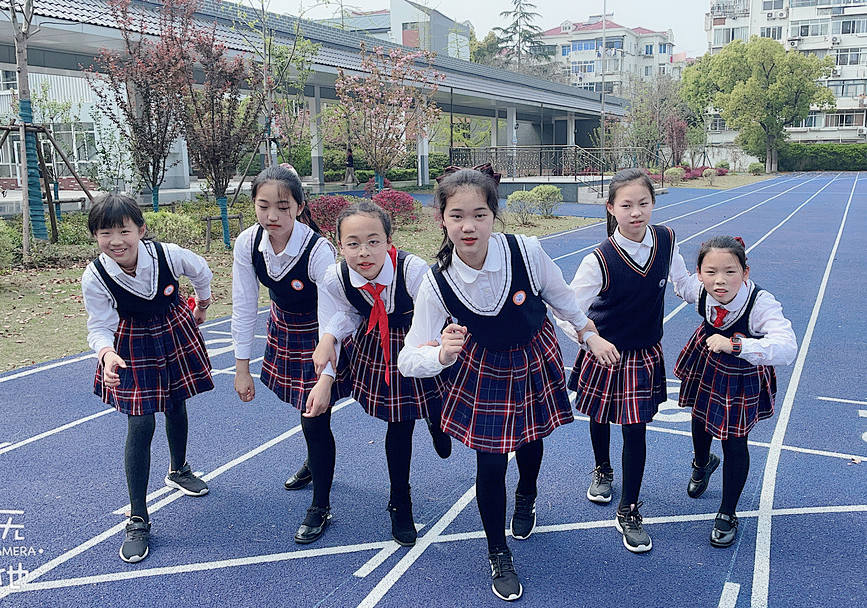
143 82
389 103
674 130
221 121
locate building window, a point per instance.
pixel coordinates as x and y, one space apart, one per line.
583 67
76 139
774 33
849 26
662 69
809 27
717 124
10 80
565 51
769 5
800 3
583 45
813 120
723 36
850 56
847 88
845 119
648 49
648 70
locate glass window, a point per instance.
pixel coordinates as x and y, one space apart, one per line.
810 27
648 70
565 50
769 5
774 33
717 124
648 49
814 119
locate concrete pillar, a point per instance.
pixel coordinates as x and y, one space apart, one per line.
495 131
512 137
570 130
422 146
316 149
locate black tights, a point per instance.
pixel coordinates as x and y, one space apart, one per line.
320 455
491 488
137 452
633 458
398 453
736 463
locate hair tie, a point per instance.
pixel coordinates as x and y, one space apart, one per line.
740 240
485 168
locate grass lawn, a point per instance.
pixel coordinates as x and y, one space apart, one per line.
723 182
43 314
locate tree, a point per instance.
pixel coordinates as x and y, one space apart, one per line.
143 82
221 121
485 51
522 37
390 103
674 131
652 103
760 88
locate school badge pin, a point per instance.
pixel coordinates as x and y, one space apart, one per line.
297 285
519 298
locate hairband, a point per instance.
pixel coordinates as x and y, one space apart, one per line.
740 240
485 168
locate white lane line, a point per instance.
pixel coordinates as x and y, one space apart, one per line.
42 368
4 444
729 597
63 558
835 400
862 413
374 562
204 566
762 564
153 495
14 446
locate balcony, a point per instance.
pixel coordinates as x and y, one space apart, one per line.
730 9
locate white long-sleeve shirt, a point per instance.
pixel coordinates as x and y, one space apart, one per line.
483 291
245 284
338 317
778 346
587 282
102 316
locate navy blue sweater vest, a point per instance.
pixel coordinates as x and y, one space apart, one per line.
403 302
741 326
132 306
295 292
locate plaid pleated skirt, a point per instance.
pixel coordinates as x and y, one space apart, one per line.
498 401
627 393
404 398
288 368
166 361
727 393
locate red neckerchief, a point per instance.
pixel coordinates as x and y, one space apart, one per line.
379 317
720 316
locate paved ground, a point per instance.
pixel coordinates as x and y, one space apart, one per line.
803 513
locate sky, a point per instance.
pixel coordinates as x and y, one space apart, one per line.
685 19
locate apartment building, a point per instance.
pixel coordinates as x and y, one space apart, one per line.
627 53
823 27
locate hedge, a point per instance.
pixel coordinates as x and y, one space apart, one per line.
823 157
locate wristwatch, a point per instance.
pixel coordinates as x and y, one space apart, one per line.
736 345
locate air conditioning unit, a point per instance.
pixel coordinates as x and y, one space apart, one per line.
783 14
793 43
772 15
862 102
862 130
836 70
835 39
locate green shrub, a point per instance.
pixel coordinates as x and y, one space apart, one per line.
7 244
523 205
822 157
756 168
72 230
547 197
437 163
181 229
723 164
674 175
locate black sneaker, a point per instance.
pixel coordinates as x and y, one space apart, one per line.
300 479
600 488
442 442
701 476
402 525
725 530
628 523
524 518
505 583
135 544
314 525
186 482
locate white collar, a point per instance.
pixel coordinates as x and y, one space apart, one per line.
493 261
385 276
112 267
299 234
630 246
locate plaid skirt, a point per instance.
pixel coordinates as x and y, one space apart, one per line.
727 393
166 361
404 398
288 368
628 393
498 401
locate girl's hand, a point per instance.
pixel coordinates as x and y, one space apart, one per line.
591 326
453 339
325 352
319 397
244 384
604 351
110 362
718 343
200 314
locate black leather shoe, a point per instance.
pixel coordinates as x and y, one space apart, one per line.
300 479
442 442
720 536
314 525
701 476
402 525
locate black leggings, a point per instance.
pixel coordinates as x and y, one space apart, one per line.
633 458
320 455
736 463
137 452
398 453
491 488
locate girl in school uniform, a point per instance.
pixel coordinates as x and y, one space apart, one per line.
727 372
621 285
151 354
507 386
290 259
372 291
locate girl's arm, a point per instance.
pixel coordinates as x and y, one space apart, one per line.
686 285
584 288
102 322
779 346
195 267
245 307
337 320
418 358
